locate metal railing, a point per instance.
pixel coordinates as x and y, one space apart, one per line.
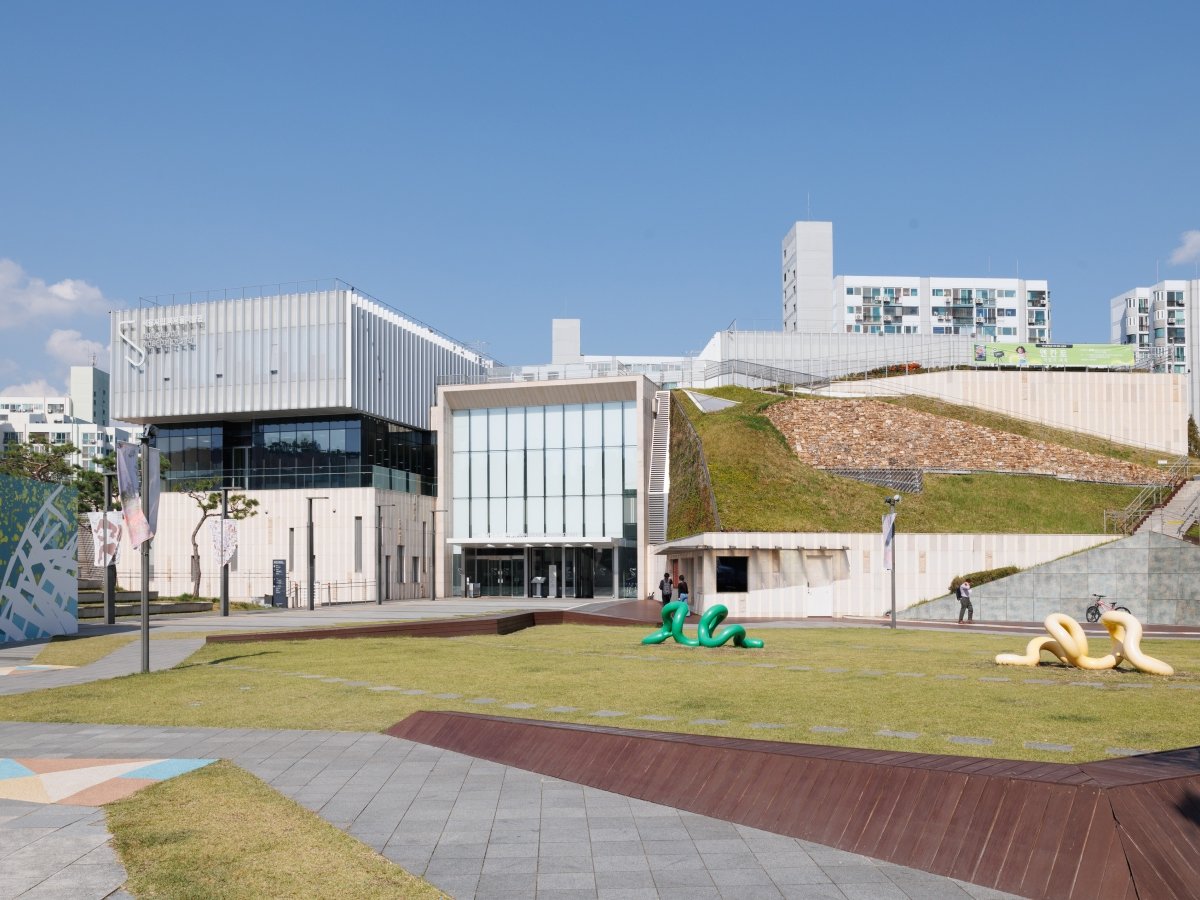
1127 520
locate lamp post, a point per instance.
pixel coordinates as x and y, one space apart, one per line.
224 561
433 558
312 558
110 568
889 543
147 433
379 551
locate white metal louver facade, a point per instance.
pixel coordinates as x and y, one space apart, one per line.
305 353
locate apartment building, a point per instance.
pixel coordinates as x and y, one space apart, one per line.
79 417
979 307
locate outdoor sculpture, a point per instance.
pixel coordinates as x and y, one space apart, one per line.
1068 642
675 612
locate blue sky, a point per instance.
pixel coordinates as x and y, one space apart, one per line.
486 167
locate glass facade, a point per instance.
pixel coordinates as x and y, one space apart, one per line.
563 472
319 452
545 470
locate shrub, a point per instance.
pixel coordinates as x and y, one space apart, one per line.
978 578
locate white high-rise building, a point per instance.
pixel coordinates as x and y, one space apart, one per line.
1160 322
815 301
79 417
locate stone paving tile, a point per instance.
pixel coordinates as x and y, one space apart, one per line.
608 713
709 722
828 729
519 705
1123 751
1040 745
951 677
980 741
907 735
657 718
563 709
993 678
461 822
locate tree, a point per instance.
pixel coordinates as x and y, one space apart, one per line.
39 460
1193 437
208 502
91 485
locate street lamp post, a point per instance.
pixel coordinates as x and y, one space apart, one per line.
224 561
379 551
110 567
147 433
890 541
433 557
312 558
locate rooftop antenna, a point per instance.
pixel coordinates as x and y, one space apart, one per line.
808 207
989 265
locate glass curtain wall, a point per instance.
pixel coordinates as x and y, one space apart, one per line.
358 451
568 472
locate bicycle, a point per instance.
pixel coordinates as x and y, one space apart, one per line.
1096 609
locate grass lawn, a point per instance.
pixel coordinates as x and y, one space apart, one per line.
761 485
862 680
81 649
219 832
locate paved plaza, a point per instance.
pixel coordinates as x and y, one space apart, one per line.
472 828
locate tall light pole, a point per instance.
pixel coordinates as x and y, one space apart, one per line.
110 567
379 551
224 561
312 558
433 558
889 544
147 433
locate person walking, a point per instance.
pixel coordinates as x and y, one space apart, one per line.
682 588
665 587
964 603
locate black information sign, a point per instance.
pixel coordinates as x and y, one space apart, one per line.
279 582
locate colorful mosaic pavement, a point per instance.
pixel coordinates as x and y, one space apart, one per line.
85 782
29 669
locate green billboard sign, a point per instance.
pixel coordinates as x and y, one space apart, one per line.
1060 356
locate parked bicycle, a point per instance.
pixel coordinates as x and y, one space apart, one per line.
1100 607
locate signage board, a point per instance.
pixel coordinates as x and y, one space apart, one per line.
1059 356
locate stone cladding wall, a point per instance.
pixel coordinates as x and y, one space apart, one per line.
838 434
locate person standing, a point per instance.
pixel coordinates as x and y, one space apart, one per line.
665 587
964 603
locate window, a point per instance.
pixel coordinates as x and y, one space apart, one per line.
358 547
400 557
416 569
731 574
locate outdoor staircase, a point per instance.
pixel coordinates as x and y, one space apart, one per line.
660 468
1178 515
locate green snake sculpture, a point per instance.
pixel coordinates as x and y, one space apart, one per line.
675 612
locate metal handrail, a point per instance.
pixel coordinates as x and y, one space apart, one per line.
1129 519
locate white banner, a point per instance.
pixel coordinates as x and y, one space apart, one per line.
106 537
130 486
889 540
141 511
224 539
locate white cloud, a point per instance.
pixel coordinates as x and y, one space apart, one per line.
23 297
70 347
1188 249
39 388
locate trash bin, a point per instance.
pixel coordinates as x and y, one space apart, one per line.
539 586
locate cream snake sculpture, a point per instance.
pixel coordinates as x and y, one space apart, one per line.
1068 642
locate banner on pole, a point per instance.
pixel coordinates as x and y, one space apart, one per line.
889 540
140 507
106 537
224 538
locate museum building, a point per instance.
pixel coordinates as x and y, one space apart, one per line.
315 401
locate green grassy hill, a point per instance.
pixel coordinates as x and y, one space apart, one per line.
760 485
